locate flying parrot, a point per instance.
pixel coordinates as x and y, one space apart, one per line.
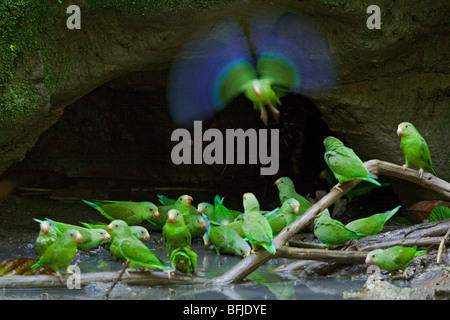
131 212
373 224
345 164
256 228
61 252
175 232
183 259
285 216
393 258
263 64
332 232
415 148
132 249
92 238
225 239
46 237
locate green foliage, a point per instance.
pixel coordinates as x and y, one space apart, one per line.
439 213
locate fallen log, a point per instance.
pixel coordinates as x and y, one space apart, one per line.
143 278
337 256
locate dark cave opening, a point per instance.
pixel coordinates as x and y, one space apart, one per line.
118 139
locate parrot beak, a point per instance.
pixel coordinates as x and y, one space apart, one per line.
44 228
368 260
79 238
296 210
171 218
110 227
276 182
107 236
199 211
147 237
156 214
189 200
400 132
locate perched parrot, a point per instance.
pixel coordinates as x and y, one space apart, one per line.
285 216
221 213
207 209
175 232
139 232
373 224
331 231
92 238
345 164
225 239
46 237
256 228
393 258
61 252
264 63
196 224
286 190
415 148
183 259
132 249
131 212
237 226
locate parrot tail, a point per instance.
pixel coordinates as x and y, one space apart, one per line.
371 178
420 252
390 213
269 247
38 221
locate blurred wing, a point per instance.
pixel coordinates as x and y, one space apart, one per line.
208 72
291 44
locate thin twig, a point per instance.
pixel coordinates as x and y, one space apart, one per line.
441 246
125 266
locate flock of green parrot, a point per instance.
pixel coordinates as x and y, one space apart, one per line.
229 231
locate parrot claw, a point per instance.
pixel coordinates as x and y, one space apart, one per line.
421 172
169 273
274 112
264 115
404 167
337 187
58 275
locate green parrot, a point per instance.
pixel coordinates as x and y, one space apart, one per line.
332 232
182 204
139 232
256 228
345 164
132 213
264 86
225 239
175 232
221 213
373 224
286 190
196 224
415 148
285 216
46 237
393 258
237 226
92 238
361 189
207 209
61 252
132 249
184 260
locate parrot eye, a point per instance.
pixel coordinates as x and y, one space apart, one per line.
116 226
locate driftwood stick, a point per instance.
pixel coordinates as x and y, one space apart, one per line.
377 167
338 256
143 278
125 266
441 246
419 242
